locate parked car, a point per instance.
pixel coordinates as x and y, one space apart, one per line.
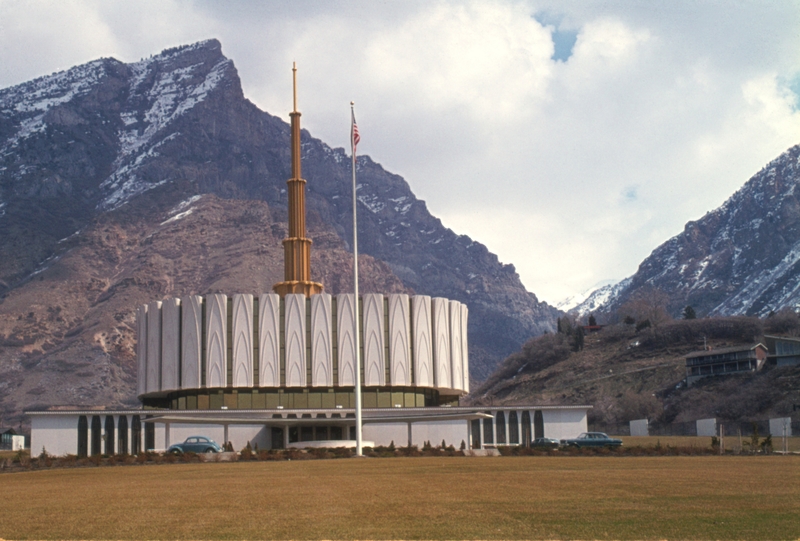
545 443
195 444
592 439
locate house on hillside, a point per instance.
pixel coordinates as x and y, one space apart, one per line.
782 350
592 328
723 361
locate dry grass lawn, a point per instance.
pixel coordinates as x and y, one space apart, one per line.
707 497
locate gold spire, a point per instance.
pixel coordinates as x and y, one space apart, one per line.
296 247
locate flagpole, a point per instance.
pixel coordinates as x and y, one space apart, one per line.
355 280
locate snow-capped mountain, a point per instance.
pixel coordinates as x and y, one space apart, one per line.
741 259
116 181
598 298
574 301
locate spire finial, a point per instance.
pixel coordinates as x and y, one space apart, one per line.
297 247
294 85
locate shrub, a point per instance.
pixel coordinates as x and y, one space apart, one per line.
68 461
766 445
785 322
692 331
615 333
754 437
412 450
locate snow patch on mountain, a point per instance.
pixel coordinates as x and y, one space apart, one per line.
182 209
170 96
574 300
30 101
599 297
758 284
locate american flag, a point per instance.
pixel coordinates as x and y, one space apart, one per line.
355 138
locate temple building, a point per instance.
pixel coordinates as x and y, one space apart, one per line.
279 369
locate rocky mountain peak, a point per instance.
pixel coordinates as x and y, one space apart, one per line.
742 258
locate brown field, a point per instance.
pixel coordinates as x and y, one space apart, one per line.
706 497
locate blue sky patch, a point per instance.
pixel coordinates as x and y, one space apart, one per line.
563 38
794 85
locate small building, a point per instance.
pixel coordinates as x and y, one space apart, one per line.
10 440
783 350
592 328
723 361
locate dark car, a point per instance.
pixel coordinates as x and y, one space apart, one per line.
195 444
545 443
592 439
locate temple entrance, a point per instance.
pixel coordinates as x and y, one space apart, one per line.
526 428
83 436
501 428
277 437
513 428
136 435
538 424
109 439
149 435
97 436
122 440
476 433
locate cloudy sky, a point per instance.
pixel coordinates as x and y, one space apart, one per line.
570 137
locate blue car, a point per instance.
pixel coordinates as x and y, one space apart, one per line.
592 439
545 443
195 444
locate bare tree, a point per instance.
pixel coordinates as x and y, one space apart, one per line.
647 304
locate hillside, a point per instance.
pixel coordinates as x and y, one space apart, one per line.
626 375
96 160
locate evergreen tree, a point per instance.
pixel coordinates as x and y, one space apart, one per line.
577 339
592 320
689 313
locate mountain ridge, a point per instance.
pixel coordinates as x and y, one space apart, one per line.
132 143
742 258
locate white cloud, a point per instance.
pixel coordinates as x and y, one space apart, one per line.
574 171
